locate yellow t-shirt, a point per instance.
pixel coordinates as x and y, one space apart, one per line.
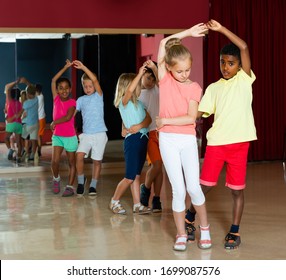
230 102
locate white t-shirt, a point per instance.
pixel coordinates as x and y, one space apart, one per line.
150 99
41 108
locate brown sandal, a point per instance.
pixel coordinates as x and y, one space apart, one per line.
117 208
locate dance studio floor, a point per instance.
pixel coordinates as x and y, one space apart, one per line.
36 224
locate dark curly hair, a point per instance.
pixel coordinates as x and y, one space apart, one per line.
15 93
231 49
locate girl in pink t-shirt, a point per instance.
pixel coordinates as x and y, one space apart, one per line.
64 134
179 98
13 111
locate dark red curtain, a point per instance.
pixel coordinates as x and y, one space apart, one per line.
262 25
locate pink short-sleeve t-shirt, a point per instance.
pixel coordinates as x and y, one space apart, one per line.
174 99
61 108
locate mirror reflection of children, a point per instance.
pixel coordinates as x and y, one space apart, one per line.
31 126
42 117
13 111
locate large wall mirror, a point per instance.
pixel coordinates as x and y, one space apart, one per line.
38 57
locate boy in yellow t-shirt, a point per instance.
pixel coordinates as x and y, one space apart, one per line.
229 99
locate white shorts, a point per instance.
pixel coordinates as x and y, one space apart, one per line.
92 142
30 130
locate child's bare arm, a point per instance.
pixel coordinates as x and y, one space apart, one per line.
241 44
8 88
63 119
145 123
127 96
150 64
197 30
58 75
79 65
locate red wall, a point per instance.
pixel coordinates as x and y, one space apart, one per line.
148 49
110 14
162 14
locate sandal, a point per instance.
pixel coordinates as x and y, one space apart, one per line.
116 207
232 240
181 242
205 243
190 230
141 209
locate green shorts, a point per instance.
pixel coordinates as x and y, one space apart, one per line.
70 144
14 127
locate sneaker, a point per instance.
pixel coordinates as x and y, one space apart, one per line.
25 157
80 188
68 192
144 195
10 154
232 241
92 191
141 209
56 186
190 230
33 156
14 156
117 208
156 204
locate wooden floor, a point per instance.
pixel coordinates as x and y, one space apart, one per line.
36 224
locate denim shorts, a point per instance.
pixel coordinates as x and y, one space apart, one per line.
135 150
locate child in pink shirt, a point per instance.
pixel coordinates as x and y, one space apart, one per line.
179 98
64 134
13 111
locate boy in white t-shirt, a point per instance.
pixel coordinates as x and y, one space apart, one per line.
42 116
149 96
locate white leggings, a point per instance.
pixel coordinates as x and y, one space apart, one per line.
180 157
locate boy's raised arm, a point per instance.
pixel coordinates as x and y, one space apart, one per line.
241 44
79 65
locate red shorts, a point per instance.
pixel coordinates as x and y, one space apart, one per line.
235 157
153 151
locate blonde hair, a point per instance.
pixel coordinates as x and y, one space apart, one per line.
23 96
175 51
123 83
85 77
